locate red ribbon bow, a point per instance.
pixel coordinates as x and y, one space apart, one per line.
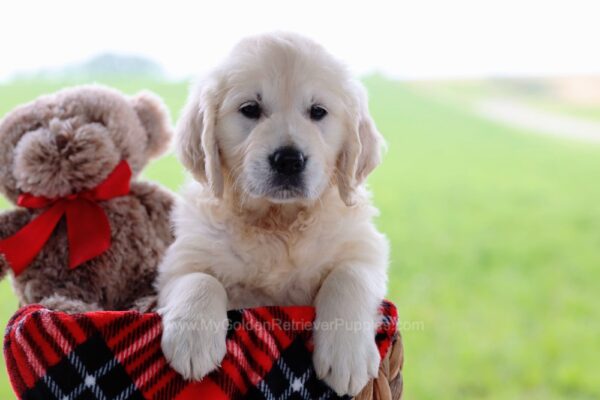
88 228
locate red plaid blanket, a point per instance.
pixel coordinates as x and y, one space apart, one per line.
117 355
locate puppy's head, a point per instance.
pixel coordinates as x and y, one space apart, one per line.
280 120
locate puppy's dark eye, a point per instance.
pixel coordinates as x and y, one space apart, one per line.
251 110
317 113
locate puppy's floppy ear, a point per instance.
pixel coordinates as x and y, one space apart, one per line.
196 143
361 151
154 116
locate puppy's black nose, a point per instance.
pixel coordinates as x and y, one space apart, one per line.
288 161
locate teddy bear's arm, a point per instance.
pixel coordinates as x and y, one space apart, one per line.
59 302
158 203
10 223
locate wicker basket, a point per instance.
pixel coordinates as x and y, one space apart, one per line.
388 385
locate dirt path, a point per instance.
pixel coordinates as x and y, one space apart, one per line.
520 115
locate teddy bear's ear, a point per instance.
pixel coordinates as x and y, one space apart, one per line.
154 116
13 126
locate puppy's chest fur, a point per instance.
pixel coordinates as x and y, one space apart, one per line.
276 267
266 265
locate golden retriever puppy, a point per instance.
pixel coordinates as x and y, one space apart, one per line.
279 140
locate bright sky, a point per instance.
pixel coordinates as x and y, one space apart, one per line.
406 39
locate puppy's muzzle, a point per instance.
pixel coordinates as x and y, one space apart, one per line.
287 161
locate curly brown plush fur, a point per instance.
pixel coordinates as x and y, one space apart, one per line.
69 142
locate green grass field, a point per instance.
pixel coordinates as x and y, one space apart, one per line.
536 93
495 239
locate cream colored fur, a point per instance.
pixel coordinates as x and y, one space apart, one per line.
238 245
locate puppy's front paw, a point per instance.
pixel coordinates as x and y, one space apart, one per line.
194 348
345 359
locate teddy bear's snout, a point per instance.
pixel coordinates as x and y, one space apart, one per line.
64 158
64 131
61 141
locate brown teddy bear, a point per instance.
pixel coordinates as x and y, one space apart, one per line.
85 237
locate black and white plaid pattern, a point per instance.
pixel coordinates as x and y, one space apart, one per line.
293 378
117 355
84 375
